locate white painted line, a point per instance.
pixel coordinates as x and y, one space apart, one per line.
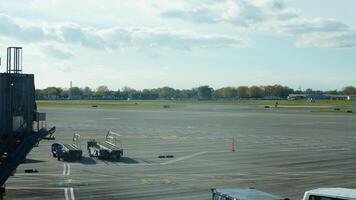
220 152
72 193
183 158
68 169
64 169
66 194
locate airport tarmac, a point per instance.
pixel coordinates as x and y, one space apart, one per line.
282 151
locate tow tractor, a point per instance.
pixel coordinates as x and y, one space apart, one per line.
68 152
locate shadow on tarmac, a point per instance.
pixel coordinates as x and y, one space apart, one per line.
84 161
127 160
88 161
123 160
92 161
30 161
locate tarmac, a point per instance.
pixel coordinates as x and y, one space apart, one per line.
281 151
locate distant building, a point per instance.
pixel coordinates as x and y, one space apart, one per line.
296 96
313 97
338 97
309 97
272 98
351 97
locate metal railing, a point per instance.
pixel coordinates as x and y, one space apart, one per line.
14 60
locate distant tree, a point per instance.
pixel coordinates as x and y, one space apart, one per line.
205 92
116 94
127 89
38 93
101 91
124 95
53 91
202 92
134 94
349 90
166 93
256 92
189 94
283 91
277 90
178 94
148 94
226 93
298 92
64 93
87 92
269 90
49 93
243 92
332 92
309 91
75 93
41 94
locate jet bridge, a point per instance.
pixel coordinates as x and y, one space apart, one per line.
18 113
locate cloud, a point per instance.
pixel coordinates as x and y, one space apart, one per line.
198 15
328 40
111 38
9 28
266 16
57 52
303 26
263 16
240 13
84 36
160 37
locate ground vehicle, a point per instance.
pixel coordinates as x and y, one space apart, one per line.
66 152
253 194
104 150
110 149
330 194
242 194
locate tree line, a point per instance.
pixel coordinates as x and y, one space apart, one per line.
199 93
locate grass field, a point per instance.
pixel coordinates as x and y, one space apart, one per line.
291 103
104 104
326 105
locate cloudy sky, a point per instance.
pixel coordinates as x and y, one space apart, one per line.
183 44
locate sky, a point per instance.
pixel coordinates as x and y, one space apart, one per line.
183 44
